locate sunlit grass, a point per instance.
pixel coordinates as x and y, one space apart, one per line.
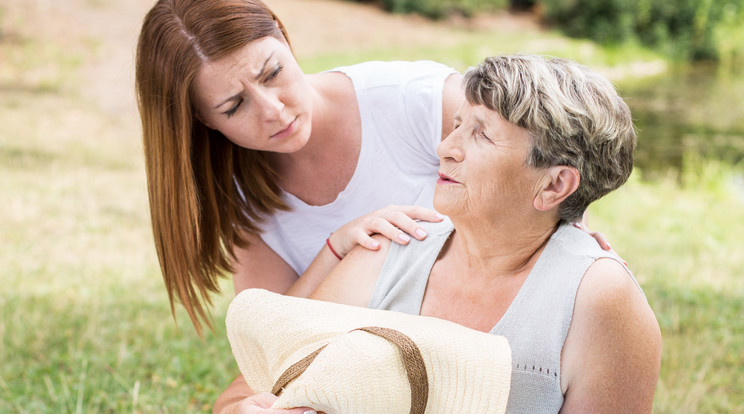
683 241
84 317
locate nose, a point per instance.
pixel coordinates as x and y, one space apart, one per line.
450 149
270 104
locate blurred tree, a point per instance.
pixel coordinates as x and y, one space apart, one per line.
438 9
684 29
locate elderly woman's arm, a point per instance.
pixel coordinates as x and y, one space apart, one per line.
612 355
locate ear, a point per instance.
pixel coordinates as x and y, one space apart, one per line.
558 183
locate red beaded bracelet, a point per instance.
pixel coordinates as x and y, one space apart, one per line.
328 242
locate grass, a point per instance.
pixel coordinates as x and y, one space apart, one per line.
85 325
683 243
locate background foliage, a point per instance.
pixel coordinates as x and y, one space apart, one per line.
686 30
441 8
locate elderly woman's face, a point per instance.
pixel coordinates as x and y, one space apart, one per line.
483 169
258 97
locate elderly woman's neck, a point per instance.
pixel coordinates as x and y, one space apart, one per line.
495 251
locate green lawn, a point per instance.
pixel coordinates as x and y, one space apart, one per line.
84 318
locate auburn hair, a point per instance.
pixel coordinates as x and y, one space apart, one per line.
205 192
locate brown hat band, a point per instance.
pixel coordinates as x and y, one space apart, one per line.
412 360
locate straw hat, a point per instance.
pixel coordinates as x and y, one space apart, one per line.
350 360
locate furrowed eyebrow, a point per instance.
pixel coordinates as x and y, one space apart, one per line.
263 68
230 99
257 77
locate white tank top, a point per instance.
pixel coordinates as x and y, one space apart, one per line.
400 104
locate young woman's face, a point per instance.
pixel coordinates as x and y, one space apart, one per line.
258 97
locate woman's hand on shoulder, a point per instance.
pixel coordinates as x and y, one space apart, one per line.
601 239
397 223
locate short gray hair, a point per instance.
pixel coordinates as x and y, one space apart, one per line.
575 116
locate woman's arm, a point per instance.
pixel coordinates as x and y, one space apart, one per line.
351 282
257 266
612 354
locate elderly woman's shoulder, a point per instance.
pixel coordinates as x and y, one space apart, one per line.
609 296
613 347
607 282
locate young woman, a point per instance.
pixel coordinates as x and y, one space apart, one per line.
251 163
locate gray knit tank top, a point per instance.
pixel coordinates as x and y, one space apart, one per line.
536 322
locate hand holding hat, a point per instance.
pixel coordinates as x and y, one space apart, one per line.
351 360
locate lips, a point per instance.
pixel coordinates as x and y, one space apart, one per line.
445 179
288 130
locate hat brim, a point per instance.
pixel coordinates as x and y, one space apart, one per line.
357 372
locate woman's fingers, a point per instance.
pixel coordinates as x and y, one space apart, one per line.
404 219
419 213
601 239
365 240
604 243
397 223
385 226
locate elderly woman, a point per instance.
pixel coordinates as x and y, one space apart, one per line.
536 142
